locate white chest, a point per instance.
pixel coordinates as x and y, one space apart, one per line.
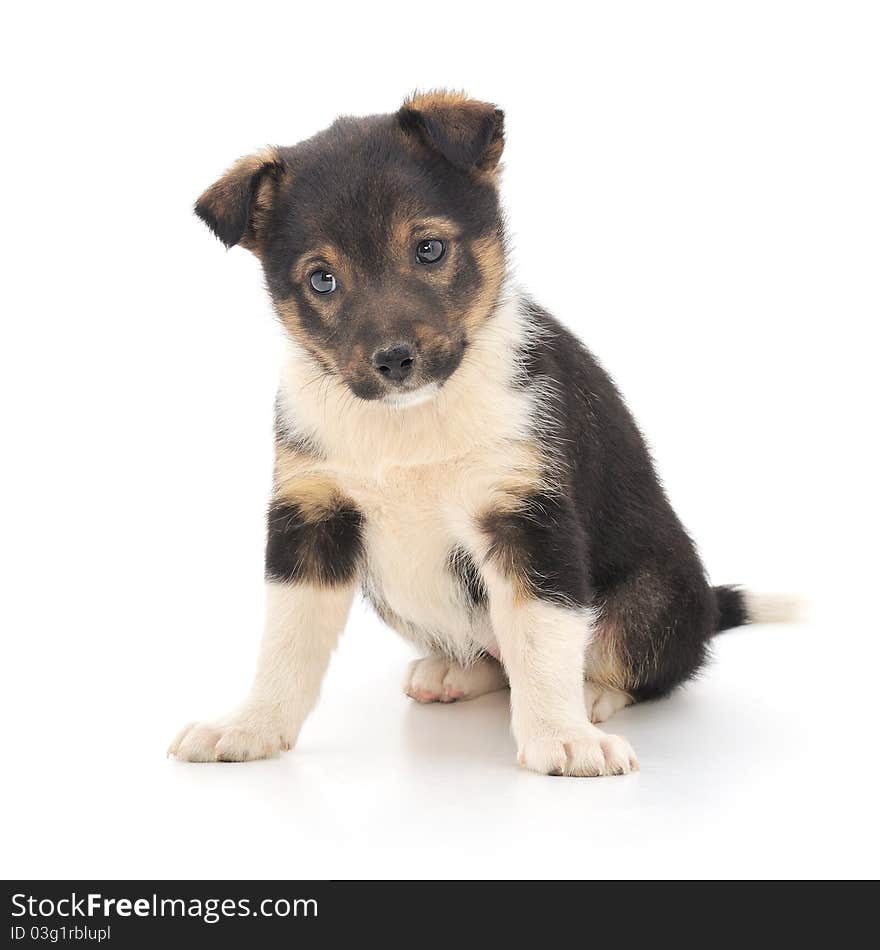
415 526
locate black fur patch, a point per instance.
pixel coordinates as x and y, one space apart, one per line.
731 608
326 552
543 544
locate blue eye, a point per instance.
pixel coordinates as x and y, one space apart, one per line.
429 252
322 281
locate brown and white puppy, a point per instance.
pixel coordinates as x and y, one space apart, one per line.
448 448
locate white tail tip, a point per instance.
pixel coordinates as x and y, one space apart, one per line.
773 608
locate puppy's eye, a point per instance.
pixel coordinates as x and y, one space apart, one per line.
429 252
322 281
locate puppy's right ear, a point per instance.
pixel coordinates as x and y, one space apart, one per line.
237 206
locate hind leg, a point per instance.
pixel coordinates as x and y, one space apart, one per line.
650 638
435 679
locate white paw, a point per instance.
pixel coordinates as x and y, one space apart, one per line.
584 753
602 704
237 738
437 680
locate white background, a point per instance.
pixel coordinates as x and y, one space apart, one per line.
692 187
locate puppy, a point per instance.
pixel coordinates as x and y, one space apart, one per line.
449 449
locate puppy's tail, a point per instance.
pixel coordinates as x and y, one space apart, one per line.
737 607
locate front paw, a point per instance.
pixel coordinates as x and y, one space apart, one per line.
578 753
237 738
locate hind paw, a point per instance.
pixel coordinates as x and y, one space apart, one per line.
603 703
437 680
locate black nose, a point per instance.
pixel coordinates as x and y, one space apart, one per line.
395 364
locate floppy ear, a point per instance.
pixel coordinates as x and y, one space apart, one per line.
236 207
467 132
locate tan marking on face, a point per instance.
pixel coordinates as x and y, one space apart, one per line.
356 361
324 255
432 342
289 315
489 255
407 230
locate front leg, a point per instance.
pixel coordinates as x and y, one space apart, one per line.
535 572
312 556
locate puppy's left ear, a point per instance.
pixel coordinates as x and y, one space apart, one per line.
466 132
238 205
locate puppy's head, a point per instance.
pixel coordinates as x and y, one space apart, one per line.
381 239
